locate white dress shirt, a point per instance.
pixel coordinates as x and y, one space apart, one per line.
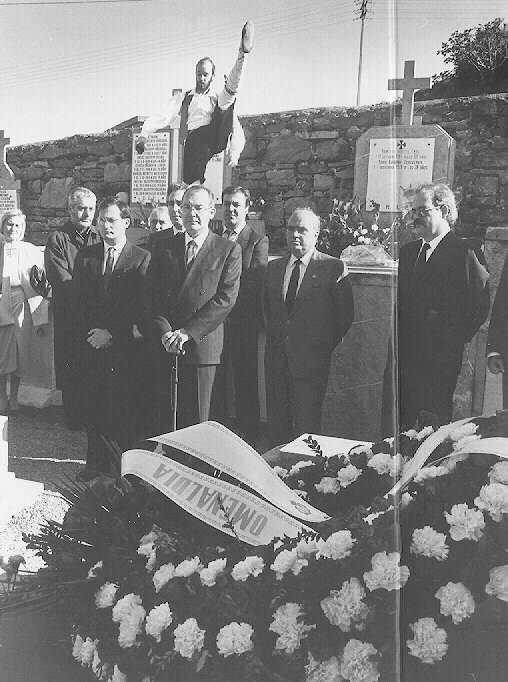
433 244
233 234
304 262
117 250
199 240
202 105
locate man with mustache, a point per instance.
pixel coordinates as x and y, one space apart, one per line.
308 307
443 299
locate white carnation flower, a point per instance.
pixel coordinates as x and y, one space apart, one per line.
428 542
92 573
209 574
307 547
288 560
322 671
302 493
162 576
187 567
498 583
105 595
328 486
87 652
159 618
465 523
381 462
429 643
251 565
411 433
499 473
356 664
348 475
130 614
456 601
386 573
463 431
345 608
288 624
337 546
494 499
296 468
118 675
235 638
147 549
77 645
189 638
425 432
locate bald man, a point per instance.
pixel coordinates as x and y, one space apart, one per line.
308 307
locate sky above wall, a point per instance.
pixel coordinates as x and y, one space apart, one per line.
75 66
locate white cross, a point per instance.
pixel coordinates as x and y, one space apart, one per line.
409 84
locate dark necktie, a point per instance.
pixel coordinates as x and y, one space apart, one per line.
230 234
110 263
190 254
421 261
293 286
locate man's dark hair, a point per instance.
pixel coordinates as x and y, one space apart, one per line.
210 61
113 201
234 189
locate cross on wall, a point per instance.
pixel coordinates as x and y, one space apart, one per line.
409 84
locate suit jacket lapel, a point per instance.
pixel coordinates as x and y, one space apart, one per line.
244 236
279 282
195 272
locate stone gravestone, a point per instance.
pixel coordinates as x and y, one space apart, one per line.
393 161
9 187
150 170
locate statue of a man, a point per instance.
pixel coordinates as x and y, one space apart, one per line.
207 120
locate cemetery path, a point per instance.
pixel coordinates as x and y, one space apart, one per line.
34 643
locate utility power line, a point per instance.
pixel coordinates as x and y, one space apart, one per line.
361 11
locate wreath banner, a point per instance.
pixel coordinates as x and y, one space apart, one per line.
211 500
222 449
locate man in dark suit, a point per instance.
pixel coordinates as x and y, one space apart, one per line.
443 298
195 281
243 325
308 306
59 256
497 339
109 297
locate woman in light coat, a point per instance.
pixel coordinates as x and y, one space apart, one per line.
23 313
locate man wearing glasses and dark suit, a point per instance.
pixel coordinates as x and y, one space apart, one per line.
443 299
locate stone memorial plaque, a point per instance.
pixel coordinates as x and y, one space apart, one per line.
150 170
8 200
396 166
214 176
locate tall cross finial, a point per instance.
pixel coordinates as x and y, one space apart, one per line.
409 84
5 171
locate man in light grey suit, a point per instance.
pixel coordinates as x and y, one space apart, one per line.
308 307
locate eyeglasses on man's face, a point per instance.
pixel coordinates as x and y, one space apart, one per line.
423 211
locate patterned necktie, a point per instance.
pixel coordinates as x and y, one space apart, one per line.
190 254
421 261
230 234
293 286
110 263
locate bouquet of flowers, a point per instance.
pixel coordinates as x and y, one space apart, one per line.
419 518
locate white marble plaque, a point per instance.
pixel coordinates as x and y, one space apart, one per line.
8 200
214 176
150 170
397 166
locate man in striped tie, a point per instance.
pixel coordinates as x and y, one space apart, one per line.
308 307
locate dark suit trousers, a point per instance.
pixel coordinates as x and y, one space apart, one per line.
195 388
197 153
294 404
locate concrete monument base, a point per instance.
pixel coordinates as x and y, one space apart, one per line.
15 494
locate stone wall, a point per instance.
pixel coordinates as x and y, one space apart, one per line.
291 158
47 170
307 157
